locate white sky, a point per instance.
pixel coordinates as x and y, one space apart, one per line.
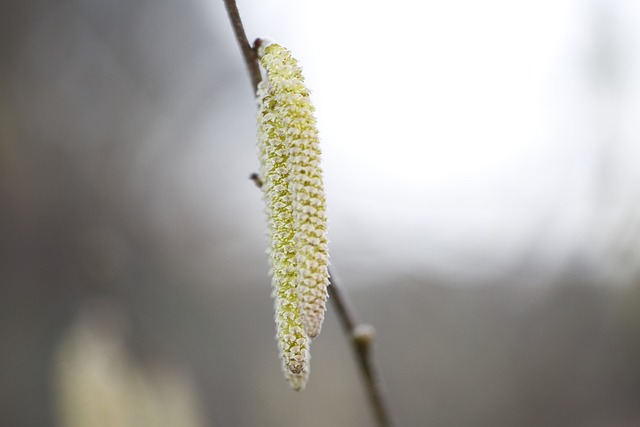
458 132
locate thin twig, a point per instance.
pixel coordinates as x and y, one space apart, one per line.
361 335
249 53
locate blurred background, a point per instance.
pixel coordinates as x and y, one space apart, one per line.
483 179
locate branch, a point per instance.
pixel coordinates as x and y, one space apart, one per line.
361 335
250 55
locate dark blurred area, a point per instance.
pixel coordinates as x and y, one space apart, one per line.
101 112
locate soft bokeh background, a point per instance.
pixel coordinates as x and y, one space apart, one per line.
483 178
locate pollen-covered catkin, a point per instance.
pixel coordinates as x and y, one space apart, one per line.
292 338
294 193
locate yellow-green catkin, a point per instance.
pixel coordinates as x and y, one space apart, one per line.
296 207
291 336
